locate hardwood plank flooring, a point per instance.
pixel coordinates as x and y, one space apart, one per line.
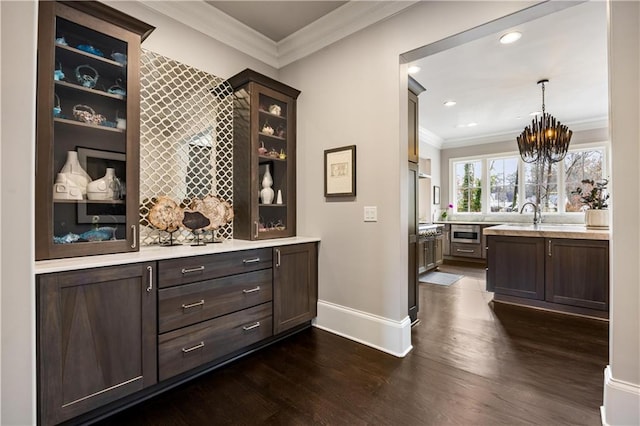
472 364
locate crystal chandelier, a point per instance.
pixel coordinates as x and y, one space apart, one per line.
546 139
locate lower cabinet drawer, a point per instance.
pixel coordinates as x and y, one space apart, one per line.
466 250
190 347
188 304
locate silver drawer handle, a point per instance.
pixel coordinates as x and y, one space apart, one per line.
252 326
196 269
253 290
193 305
254 260
465 251
193 348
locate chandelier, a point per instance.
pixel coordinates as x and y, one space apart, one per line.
546 139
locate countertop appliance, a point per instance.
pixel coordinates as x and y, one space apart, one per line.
466 234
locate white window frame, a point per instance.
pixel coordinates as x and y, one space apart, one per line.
485 184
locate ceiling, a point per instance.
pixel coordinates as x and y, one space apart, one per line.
276 19
495 85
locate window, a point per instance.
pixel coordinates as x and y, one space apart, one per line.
547 184
468 186
578 166
503 179
509 182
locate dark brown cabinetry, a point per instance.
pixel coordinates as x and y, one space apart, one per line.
516 266
414 254
414 137
567 275
87 130
295 285
96 333
211 306
577 273
264 153
110 336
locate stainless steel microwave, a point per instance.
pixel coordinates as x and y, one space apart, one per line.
465 234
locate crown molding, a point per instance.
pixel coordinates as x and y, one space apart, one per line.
430 138
575 126
220 26
337 24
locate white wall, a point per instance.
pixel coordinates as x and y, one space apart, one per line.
351 95
622 376
18 40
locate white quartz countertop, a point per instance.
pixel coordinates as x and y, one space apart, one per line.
549 231
153 253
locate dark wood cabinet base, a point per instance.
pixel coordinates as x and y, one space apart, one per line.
165 385
555 307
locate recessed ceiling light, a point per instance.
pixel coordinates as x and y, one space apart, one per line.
449 103
413 69
462 126
511 37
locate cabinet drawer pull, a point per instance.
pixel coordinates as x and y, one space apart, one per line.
550 248
193 305
252 326
252 290
150 287
133 234
277 258
193 348
465 250
196 269
254 260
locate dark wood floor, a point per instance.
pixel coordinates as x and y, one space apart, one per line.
472 364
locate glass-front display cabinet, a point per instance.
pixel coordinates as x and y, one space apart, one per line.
264 152
87 153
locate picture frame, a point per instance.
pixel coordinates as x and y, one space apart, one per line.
340 172
436 195
95 163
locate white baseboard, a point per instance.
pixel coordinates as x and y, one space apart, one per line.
621 401
393 337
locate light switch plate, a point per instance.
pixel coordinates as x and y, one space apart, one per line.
370 213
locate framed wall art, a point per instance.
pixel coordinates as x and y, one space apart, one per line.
340 172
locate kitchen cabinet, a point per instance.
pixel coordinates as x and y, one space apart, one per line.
577 273
87 130
295 285
413 146
562 274
413 252
439 250
446 244
516 266
264 154
108 337
211 306
96 331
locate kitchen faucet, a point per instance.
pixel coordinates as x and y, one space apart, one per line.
537 217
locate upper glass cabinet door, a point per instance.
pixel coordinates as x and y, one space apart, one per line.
87 131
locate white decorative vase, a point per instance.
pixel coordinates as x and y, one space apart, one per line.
279 197
267 192
64 189
596 219
74 173
103 188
